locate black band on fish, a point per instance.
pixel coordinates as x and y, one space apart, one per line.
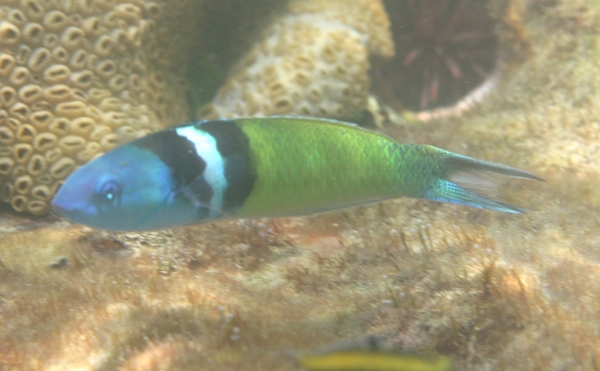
177 152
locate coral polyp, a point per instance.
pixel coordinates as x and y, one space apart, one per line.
445 49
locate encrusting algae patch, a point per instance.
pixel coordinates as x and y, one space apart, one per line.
490 291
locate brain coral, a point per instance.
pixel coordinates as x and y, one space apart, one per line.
312 61
76 77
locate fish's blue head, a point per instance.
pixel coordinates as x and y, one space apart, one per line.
128 188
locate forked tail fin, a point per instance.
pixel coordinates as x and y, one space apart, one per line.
475 183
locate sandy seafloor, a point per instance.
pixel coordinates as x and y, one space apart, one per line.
492 291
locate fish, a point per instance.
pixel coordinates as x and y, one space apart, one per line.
372 354
267 167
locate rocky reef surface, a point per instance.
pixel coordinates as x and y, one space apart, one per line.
492 291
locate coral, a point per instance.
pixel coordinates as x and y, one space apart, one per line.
77 78
367 17
313 61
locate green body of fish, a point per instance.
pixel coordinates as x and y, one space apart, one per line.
302 167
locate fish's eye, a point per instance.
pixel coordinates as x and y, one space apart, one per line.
110 191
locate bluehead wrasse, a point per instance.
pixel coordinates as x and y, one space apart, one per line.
372 355
267 167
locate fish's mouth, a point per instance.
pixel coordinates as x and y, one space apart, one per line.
66 208
58 207
63 211
61 205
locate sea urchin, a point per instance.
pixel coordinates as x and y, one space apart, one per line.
445 49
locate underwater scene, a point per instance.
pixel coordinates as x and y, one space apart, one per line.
261 185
